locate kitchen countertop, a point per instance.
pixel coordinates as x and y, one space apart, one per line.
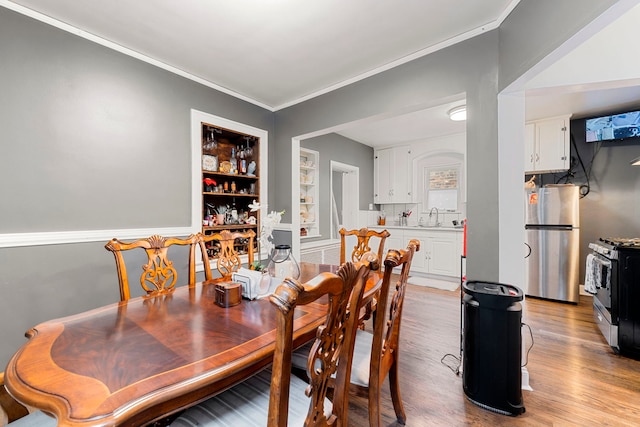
417 227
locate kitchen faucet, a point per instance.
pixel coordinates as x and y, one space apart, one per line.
437 224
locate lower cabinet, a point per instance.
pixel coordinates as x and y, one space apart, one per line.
395 241
440 249
441 253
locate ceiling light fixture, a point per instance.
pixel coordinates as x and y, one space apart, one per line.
458 114
636 161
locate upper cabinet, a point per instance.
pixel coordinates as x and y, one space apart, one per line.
547 145
309 220
392 175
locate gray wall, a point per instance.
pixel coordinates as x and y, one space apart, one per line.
344 150
91 139
468 68
537 27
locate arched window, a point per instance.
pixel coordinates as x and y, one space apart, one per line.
441 181
442 184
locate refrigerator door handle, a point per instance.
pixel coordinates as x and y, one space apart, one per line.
562 227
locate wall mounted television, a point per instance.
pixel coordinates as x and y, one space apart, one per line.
613 127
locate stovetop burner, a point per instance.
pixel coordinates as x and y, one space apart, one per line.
622 242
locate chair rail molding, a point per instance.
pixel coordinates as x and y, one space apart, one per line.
44 238
13 240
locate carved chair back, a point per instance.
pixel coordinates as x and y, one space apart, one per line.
159 275
362 244
227 257
332 351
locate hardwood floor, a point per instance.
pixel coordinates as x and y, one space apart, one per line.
576 378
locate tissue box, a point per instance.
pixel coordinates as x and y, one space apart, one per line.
254 283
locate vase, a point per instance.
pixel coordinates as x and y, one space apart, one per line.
220 219
282 264
251 168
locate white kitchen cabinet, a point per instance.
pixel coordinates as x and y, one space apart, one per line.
439 254
547 145
394 241
440 249
419 262
392 180
442 254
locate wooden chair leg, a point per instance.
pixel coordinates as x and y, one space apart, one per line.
374 406
396 398
370 311
11 409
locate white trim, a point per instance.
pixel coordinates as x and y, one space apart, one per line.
327 243
13 240
295 196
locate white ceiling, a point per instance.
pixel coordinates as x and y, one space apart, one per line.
415 126
276 53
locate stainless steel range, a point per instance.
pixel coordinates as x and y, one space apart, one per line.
613 277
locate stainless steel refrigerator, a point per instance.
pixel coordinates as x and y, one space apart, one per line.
553 242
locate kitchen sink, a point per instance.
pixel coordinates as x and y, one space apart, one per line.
435 227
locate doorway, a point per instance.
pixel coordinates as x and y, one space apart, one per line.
345 188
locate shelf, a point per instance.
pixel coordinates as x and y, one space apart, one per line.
307 168
307 204
229 227
215 193
308 236
307 184
230 175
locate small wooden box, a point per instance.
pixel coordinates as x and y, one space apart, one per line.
228 294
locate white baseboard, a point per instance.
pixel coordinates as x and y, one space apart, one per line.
525 379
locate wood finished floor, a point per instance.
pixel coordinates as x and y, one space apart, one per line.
576 378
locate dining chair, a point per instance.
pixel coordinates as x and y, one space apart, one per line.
159 276
13 414
228 259
363 235
275 397
376 354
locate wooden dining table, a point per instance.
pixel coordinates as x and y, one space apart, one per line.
134 362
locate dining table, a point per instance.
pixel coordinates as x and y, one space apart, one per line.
137 361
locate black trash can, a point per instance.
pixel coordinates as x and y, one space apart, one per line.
492 346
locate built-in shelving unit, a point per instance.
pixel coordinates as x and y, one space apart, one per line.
230 183
309 180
